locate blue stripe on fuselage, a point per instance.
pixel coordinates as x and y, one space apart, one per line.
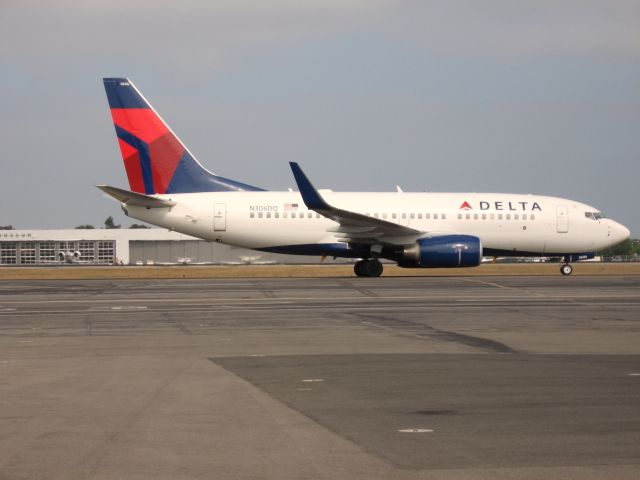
319 249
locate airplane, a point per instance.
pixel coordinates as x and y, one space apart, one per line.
69 256
171 189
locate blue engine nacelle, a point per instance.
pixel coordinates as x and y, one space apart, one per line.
446 251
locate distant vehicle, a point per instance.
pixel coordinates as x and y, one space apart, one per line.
171 189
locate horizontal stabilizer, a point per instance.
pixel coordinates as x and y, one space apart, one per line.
136 199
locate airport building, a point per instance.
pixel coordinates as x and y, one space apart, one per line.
124 247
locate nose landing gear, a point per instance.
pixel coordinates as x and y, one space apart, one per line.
368 268
566 269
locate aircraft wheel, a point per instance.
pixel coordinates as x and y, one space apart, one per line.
374 268
566 269
368 268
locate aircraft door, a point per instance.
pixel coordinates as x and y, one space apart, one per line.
562 216
220 217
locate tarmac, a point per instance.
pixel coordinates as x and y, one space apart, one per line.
496 377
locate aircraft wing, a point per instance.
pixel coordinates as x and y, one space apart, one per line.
353 227
137 199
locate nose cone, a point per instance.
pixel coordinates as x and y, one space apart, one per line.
620 233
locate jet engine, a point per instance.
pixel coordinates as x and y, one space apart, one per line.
446 251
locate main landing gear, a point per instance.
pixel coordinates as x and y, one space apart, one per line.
565 268
368 268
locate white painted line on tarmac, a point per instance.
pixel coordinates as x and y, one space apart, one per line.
7 309
634 374
503 299
415 430
303 389
309 380
117 307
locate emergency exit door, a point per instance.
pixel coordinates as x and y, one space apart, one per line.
220 217
562 215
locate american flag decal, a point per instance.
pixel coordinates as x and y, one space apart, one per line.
290 206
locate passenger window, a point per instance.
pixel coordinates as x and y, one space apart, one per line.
516 217
317 215
259 214
492 216
468 216
484 216
459 216
508 216
384 215
420 216
284 215
444 216
435 216
533 217
293 214
499 216
251 215
475 216
412 216
310 215
427 216
394 215
524 216
404 215
375 215
268 214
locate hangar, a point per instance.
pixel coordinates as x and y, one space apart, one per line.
124 247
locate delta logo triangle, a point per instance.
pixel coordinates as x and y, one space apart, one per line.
465 206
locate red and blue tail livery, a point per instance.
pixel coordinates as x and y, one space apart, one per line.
155 159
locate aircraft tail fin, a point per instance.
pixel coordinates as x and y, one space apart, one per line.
155 159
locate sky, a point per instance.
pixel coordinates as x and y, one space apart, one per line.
472 96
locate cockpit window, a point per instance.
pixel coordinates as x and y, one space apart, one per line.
594 215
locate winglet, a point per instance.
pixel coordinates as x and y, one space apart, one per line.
312 199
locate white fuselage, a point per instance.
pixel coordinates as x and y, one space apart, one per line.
503 222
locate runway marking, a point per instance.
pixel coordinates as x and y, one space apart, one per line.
415 430
303 389
308 380
285 300
540 303
118 307
7 309
634 374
